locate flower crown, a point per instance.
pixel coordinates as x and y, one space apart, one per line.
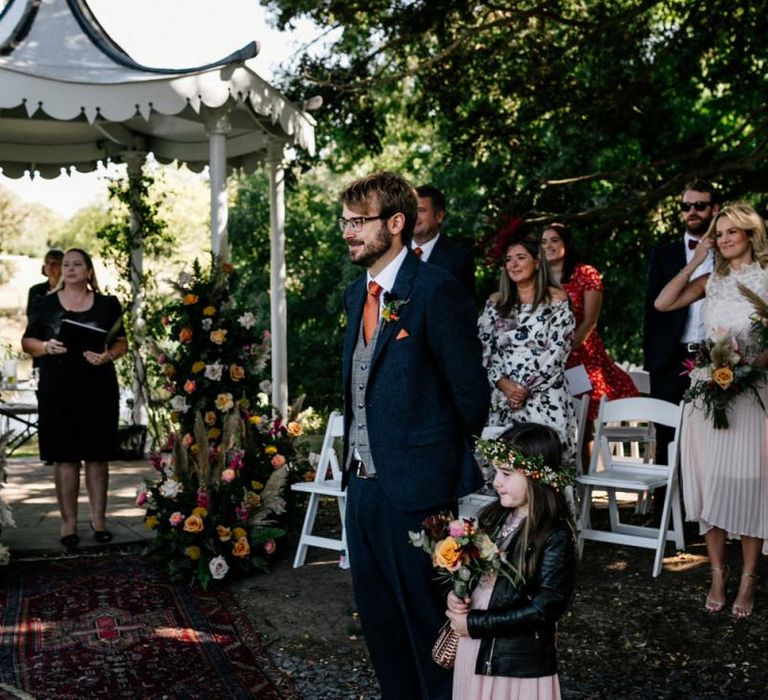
504 456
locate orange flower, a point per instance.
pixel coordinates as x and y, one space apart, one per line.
198 367
294 429
236 372
189 299
723 377
218 336
447 554
224 533
190 386
278 461
210 418
209 311
242 548
194 523
185 335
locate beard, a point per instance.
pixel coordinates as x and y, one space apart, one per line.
369 253
698 228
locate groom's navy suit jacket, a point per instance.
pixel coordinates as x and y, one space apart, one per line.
427 393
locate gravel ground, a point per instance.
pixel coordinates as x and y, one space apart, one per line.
626 634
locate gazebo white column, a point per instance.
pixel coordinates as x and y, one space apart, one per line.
218 127
134 161
278 309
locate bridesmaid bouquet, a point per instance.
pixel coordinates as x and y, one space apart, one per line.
461 552
718 375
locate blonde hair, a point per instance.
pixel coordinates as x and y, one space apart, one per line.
748 220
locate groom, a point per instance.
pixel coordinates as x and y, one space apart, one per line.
415 393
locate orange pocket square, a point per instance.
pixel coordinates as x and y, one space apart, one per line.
402 334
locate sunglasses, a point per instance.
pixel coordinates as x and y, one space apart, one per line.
698 206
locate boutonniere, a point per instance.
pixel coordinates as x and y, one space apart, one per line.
390 311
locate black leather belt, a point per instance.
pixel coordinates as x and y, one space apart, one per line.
691 348
359 470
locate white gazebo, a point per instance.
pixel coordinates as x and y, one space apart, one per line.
70 97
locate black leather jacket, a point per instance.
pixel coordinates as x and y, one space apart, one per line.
518 628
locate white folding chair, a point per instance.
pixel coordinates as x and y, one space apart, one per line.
634 475
324 484
471 504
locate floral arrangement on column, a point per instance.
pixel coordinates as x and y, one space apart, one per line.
222 478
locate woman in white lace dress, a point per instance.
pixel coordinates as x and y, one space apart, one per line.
526 330
725 471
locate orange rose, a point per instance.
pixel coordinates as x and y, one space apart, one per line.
241 548
198 367
447 554
210 418
185 335
278 461
224 533
218 336
189 386
194 523
723 377
294 429
189 299
236 372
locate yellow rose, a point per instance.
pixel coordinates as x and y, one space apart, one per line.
202 512
210 418
294 429
194 523
253 499
238 533
198 367
189 299
209 311
193 552
224 533
241 548
214 433
218 336
169 371
236 372
254 420
723 377
150 522
447 554
224 402
270 450
257 485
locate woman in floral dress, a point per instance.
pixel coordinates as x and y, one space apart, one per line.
526 330
725 470
585 288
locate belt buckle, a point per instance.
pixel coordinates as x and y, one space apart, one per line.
692 348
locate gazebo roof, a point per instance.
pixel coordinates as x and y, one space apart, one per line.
71 97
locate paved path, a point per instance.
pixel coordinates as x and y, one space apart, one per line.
32 496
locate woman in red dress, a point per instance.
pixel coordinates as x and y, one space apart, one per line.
585 288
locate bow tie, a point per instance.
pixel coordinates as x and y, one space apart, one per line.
692 243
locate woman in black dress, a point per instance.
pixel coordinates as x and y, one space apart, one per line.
77 333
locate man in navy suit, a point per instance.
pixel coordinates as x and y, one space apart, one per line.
435 247
671 337
415 394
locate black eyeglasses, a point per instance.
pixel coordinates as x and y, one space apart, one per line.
356 222
698 206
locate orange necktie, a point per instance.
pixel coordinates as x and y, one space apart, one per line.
371 311
418 250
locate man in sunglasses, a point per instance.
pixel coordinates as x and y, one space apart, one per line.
669 338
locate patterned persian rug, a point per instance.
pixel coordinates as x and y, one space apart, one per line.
117 627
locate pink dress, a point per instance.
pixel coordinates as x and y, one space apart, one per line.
607 378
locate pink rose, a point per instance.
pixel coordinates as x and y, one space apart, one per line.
456 528
278 461
176 519
187 440
270 546
228 475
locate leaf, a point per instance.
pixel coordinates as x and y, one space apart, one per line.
272 500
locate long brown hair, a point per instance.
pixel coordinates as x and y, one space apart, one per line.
547 508
92 282
508 296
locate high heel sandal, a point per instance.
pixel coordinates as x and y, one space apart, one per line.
715 606
742 611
